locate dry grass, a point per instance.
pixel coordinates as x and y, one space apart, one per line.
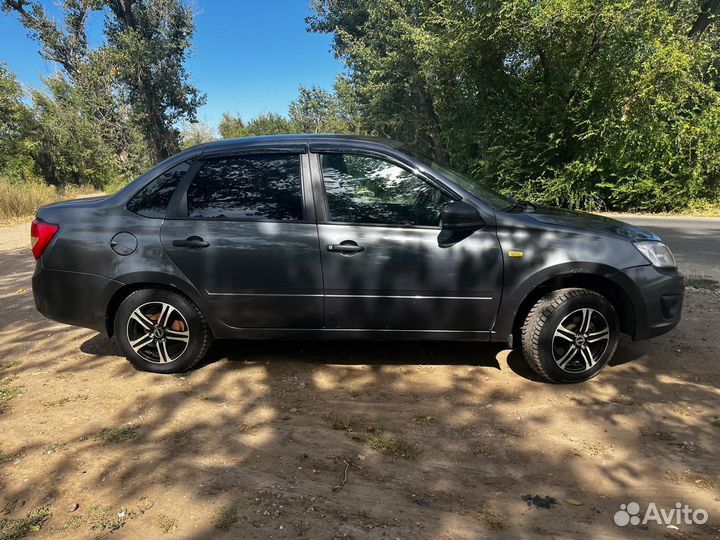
166 523
117 435
103 518
700 282
390 445
7 390
22 199
225 518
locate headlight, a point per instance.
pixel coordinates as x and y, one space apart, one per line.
657 253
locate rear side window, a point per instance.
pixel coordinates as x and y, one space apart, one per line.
152 201
258 187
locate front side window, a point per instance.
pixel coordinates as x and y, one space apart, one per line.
152 200
258 187
364 189
477 187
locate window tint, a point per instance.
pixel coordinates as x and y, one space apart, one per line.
247 187
153 199
363 189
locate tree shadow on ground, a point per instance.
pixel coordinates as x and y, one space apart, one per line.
351 439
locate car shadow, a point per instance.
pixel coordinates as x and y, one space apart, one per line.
340 352
333 352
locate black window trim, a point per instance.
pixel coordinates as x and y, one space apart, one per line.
178 206
324 211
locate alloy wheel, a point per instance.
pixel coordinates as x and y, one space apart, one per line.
580 340
158 332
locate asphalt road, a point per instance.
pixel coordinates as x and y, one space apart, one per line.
694 241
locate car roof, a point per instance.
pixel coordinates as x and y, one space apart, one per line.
293 139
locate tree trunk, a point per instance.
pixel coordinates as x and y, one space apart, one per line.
433 122
705 18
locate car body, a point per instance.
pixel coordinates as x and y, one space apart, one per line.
339 237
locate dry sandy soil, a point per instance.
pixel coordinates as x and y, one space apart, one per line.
346 440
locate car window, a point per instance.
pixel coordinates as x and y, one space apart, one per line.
475 186
152 201
364 189
262 187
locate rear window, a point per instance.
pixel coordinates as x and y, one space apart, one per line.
152 201
258 187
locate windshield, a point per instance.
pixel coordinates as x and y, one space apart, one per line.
476 187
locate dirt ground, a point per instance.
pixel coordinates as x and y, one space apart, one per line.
347 440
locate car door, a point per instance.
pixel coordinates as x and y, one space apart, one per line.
244 233
385 265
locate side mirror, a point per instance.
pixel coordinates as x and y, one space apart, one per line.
461 216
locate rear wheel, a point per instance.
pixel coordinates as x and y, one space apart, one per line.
570 335
161 331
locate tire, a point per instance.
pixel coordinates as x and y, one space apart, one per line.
580 348
161 331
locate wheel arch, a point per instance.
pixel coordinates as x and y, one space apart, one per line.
144 281
600 284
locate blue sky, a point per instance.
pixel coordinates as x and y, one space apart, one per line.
249 56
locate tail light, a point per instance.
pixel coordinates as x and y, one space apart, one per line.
41 234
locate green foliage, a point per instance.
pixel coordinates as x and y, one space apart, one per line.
13 529
71 147
134 87
591 105
147 45
263 124
568 102
231 126
315 110
15 119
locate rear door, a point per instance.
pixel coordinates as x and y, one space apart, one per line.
242 229
385 265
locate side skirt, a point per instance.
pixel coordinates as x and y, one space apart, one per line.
350 334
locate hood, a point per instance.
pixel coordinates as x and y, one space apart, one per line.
590 223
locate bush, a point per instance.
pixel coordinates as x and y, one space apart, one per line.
19 199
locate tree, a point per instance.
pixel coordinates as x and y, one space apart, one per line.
708 14
568 102
231 126
68 147
381 43
317 110
15 159
263 124
67 47
147 42
196 133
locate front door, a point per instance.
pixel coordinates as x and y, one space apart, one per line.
248 241
383 264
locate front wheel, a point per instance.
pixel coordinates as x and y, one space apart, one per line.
161 331
570 335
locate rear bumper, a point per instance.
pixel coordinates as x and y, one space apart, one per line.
73 297
657 298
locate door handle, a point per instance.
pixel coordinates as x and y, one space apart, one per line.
348 246
193 242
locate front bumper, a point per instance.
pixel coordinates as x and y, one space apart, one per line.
656 295
73 297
